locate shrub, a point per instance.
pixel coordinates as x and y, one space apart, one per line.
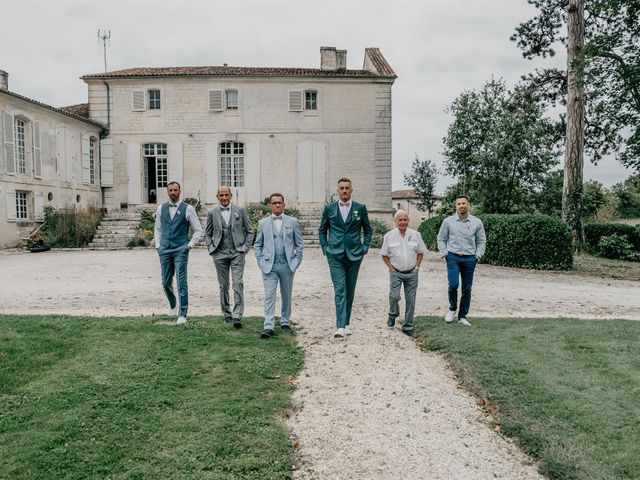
429 231
617 247
193 202
593 232
379 228
528 241
257 211
70 228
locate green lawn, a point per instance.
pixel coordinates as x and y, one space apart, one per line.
568 390
127 398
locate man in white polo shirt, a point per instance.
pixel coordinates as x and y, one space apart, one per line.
402 251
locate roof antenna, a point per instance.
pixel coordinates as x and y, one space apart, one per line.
104 36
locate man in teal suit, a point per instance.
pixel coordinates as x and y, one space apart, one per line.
279 253
340 238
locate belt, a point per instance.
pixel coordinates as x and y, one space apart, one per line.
406 271
460 255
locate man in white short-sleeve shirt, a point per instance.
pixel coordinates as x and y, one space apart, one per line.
402 251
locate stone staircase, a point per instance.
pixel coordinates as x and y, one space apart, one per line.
115 231
309 223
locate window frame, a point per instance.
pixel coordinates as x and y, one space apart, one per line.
154 103
20 150
22 205
311 101
232 163
227 104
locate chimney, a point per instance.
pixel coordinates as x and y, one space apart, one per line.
327 58
4 80
341 60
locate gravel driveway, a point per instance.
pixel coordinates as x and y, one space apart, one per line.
371 407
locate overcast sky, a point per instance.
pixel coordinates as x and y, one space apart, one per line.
438 48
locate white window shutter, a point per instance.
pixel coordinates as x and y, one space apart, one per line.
38 207
37 151
215 100
9 153
85 158
296 100
12 211
106 162
137 100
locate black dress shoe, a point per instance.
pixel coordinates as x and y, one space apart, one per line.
408 332
237 323
391 322
267 333
287 329
228 320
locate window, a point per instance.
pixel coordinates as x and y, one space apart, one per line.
20 146
21 206
154 99
232 164
310 100
231 99
159 151
92 161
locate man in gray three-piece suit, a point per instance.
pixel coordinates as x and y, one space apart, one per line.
279 253
228 236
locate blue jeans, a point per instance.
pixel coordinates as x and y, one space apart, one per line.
460 267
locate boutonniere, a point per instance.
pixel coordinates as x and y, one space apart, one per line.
355 214
236 215
288 227
177 212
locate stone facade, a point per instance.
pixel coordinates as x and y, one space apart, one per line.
46 157
296 131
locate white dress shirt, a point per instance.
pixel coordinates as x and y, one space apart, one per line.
226 214
192 218
344 209
402 251
277 223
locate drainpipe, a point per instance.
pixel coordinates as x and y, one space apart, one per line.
108 108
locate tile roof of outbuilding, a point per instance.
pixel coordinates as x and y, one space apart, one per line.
62 110
81 109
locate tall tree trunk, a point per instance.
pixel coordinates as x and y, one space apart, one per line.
574 148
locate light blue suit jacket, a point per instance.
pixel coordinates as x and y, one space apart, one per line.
265 246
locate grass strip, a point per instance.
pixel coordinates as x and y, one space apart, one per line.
567 390
135 398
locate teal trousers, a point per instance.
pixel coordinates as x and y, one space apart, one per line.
344 275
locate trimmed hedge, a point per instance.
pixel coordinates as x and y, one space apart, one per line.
525 241
593 232
429 231
528 241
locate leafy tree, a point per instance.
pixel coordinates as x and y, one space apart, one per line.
423 178
548 200
628 194
500 146
609 64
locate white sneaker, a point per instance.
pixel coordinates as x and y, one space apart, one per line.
463 321
174 311
339 333
449 316
181 320
347 330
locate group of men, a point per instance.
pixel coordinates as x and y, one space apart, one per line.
345 236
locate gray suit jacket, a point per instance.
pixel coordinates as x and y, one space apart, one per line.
241 229
265 246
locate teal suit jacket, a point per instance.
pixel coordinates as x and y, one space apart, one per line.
337 236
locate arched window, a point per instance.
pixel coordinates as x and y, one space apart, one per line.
232 164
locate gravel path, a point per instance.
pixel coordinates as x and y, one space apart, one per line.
370 407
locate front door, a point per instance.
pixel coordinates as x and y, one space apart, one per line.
232 170
150 179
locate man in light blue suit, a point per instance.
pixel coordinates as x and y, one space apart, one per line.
278 250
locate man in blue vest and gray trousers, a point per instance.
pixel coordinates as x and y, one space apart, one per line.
171 238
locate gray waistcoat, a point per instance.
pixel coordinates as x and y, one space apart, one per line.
226 242
281 256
